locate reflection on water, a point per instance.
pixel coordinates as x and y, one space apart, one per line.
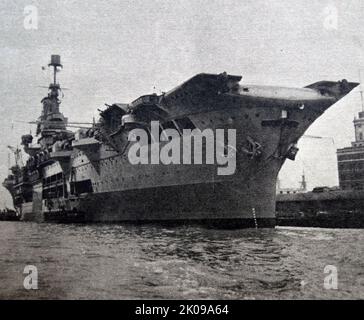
187 262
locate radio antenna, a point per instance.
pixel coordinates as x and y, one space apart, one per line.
361 92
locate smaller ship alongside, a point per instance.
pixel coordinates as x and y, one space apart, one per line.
9 215
337 207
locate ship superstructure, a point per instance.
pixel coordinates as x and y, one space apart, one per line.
88 176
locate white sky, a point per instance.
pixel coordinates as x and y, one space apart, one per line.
114 51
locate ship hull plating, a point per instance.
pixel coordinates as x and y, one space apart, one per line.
225 204
215 204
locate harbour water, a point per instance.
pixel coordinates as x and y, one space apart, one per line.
187 262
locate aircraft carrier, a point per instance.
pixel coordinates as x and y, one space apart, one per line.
86 176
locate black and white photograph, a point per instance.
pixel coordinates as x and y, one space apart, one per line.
195 150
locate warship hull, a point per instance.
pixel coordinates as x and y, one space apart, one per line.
224 204
122 192
95 180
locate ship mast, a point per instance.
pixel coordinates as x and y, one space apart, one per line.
303 182
361 92
55 63
55 87
52 124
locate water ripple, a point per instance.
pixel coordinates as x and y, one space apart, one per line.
154 262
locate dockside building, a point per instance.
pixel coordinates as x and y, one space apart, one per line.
351 159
